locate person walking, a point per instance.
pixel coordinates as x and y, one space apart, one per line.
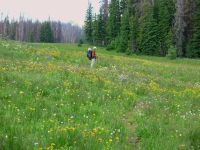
93 57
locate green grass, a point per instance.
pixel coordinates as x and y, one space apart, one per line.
51 99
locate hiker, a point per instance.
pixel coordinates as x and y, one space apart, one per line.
91 54
94 57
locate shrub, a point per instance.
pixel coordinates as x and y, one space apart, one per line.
172 52
111 46
80 43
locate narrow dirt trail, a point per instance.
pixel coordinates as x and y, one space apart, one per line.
130 125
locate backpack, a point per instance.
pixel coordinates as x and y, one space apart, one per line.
89 54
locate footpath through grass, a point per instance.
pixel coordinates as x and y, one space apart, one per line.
51 99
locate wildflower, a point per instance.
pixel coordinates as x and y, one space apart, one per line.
63 129
35 143
92 134
100 140
110 140
53 144
51 120
71 129
4 69
32 109
122 77
95 131
21 92
182 146
50 130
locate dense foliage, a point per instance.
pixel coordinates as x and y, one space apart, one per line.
151 27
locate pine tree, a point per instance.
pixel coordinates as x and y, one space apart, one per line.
6 27
150 34
123 6
134 30
131 7
95 32
124 32
46 33
105 11
88 24
12 33
164 26
194 46
114 20
31 37
101 28
134 27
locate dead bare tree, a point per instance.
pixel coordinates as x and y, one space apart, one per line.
183 24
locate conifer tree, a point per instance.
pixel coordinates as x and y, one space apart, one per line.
6 26
134 27
95 32
46 33
12 30
123 6
114 20
105 11
165 24
101 29
131 6
194 46
88 24
124 32
134 30
31 37
150 34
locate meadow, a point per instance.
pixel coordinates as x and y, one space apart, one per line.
50 99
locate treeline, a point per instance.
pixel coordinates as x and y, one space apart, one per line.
150 27
36 31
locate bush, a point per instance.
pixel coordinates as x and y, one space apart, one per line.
111 46
114 44
172 52
80 43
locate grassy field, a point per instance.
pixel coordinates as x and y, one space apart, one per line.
51 99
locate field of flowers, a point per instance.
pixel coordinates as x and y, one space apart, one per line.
51 99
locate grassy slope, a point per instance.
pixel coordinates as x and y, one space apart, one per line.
50 98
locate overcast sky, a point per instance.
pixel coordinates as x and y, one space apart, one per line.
63 10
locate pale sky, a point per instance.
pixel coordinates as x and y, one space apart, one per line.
64 10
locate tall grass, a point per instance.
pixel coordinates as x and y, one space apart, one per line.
51 99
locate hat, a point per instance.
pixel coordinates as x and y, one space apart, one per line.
94 47
89 49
